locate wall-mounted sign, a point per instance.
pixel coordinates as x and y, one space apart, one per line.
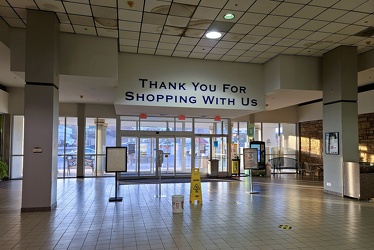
332 143
163 81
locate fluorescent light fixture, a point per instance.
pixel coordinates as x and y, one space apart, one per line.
229 16
213 35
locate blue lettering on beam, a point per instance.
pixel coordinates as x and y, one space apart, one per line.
155 85
218 100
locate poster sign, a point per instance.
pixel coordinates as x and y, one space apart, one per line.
116 159
332 143
250 156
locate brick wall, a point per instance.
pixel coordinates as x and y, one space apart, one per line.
366 137
311 139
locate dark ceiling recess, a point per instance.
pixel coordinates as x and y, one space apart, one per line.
368 32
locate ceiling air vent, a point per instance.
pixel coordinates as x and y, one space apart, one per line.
368 32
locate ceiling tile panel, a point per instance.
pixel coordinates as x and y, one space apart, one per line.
299 34
273 21
137 5
206 13
147 44
348 4
152 18
240 28
106 12
85 30
263 6
129 35
14 22
352 17
219 51
251 38
189 40
251 53
317 36
269 40
331 14
149 37
184 47
164 52
129 15
243 59
176 21
243 46
287 9
151 28
126 25
50 5
260 47
129 42
4 3
261 31
166 46
108 3
82 20
333 27
351 30
280 32
214 57
323 3
292 51
26 4
169 39
63 18
148 51
294 23
181 53
232 37
314 25
79 9
128 49
288 42
107 32
225 44
155 6
65 27
8 12
309 12
366 7
213 4
22 13
197 55
241 5
235 52
228 58
251 18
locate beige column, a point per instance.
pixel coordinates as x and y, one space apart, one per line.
340 114
39 186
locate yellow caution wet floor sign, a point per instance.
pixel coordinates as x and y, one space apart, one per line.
195 188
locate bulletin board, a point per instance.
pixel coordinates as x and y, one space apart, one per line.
116 159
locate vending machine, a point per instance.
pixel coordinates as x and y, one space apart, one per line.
260 145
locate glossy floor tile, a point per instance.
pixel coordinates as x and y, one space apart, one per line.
229 218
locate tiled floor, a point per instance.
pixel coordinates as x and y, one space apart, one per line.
229 218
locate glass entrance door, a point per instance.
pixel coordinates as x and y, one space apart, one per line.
202 154
142 156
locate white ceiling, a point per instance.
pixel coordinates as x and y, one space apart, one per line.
260 31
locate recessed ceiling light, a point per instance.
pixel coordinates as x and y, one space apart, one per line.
229 16
213 35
